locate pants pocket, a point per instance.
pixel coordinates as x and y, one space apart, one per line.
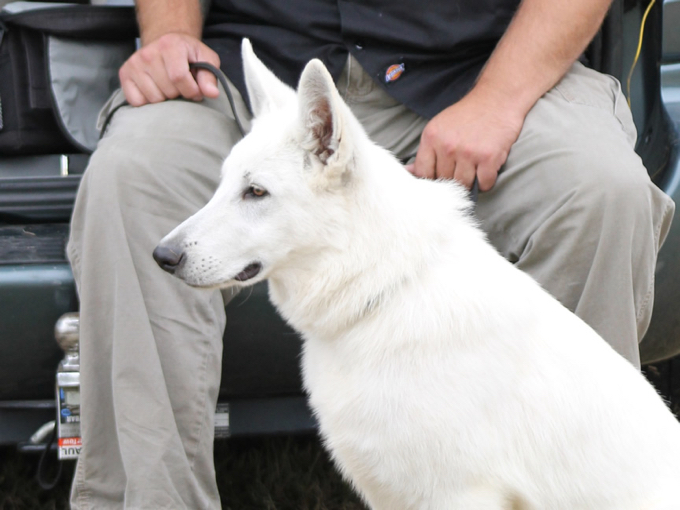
588 88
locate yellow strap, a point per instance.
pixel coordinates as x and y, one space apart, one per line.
639 48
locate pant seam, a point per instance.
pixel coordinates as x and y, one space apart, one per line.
645 302
82 496
200 425
650 289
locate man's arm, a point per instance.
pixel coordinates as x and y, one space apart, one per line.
474 136
170 31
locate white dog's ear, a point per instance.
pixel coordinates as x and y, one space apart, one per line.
322 115
266 92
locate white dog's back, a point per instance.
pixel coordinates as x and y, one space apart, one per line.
442 377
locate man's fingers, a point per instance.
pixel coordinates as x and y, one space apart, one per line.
147 86
132 93
486 176
207 83
177 76
144 82
424 165
465 173
159 75
446 165
160 71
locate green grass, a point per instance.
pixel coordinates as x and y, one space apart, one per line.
260 474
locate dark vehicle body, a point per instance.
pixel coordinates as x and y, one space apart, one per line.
260 376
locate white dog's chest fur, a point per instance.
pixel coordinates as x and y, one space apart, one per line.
420 417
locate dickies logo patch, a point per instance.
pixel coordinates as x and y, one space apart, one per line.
394 72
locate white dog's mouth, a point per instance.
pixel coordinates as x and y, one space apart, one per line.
250 271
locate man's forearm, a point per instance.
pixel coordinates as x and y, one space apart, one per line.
544 39
159 17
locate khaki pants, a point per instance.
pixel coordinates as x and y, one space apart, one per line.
573 207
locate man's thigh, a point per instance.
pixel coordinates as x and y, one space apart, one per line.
576 153
572 205
154 166
166 152
575 208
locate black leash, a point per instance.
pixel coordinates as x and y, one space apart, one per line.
223 80
41 475
194 65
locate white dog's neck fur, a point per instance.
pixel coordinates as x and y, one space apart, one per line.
306 290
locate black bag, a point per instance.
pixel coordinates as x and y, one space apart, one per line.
58 66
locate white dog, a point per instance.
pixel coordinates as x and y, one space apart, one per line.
442 377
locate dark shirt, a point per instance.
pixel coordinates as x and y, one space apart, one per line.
425 53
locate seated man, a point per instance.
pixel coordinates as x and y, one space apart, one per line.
491 90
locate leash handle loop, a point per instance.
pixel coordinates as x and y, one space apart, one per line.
225 85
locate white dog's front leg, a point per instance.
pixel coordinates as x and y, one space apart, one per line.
478 497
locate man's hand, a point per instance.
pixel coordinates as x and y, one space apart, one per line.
471 137
474 136
160 70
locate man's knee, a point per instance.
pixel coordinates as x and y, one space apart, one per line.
617 188
162 159
614 196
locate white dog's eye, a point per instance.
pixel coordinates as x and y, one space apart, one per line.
255 191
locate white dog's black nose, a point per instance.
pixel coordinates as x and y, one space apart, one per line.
168 258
